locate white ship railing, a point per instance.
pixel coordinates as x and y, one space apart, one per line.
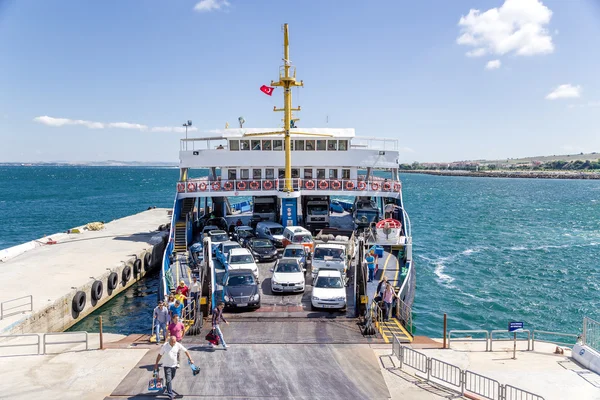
591 333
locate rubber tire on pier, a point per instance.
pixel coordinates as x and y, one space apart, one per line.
97 290
147 261
112 281
79 301
126 274
137 266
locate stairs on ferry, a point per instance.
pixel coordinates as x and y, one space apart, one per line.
392 328
187 206
180 240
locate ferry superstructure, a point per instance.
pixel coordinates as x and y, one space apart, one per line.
289 175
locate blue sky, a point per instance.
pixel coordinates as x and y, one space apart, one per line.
111 79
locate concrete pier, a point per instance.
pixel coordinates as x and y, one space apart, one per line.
53 273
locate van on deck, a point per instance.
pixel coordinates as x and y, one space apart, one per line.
298 235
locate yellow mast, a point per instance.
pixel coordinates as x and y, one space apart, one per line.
287 81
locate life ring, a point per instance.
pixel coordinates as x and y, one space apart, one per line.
216 186
397 187
137 266
310 184
336 185
375 186
254 185
202 186
228 186
349 185
387 186
126 275
97 290
241 185
147 261
180 187
323 184
191 186
362 185
112 281
267 185
79 301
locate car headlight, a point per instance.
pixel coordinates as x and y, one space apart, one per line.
274 282
255 253
315 298
300 284
256 297
227 298
340 299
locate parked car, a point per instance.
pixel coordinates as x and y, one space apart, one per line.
242 234
288 276
222 250
219 222
263 250
298 252
328 290
217 237
272 231
209 228
298 235
241 259
240 289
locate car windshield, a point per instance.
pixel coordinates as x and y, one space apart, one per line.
293 253
241 259
276 231
219 237
264 208
245 234
262 244
287 267
318 210
240 280
302 239
331 282
227 248
324 254
370 216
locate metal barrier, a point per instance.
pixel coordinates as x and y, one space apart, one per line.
4 309
591 333
45 343
454 378
514 393
504 331
36 344
536 332
469 339
482 386
404 314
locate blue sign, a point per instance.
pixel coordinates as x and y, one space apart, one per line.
515 326
289 214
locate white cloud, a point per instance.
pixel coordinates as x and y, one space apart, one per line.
58 122
567 91
211 5
518 26
494 64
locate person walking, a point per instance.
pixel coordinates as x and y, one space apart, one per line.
217 316
161 319
370 259
169 353
388 298
176 329
195 292
176 309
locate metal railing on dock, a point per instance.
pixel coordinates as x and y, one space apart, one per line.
25 301
41 341
535 337
45 343
591 333
470 338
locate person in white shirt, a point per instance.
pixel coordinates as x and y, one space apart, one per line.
195 292
168 353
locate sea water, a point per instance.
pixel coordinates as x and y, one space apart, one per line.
487 250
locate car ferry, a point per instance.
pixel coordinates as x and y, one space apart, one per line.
272 178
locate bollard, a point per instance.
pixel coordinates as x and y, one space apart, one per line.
101 338
445 330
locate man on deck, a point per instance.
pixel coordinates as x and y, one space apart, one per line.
169 353
370 259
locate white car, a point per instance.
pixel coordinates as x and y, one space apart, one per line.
328 290
217 237
288 276
222 250
242 259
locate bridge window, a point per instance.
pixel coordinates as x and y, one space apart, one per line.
332 145
310 145
300 145
269 173
308 173
244 174
320 173
245 144
266 145
281 173
295 173
333 174
345 173
232 174
257 173
321 145
234 145
277 145
255 145
342 145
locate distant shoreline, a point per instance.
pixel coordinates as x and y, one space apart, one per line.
510 174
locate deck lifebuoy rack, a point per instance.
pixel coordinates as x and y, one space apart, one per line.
216 186
387 186
254 185
202 186
191 187
323 184
228 186
241 185
375 186
181 187
267 185
362 185
309 184
349 185
336 185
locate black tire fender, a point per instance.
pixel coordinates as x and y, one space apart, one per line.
112 281
126 274
97 290
79 301
137 266
147 261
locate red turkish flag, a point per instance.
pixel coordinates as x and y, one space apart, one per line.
267 89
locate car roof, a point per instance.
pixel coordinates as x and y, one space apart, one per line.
210 227
269 224
297 229
329 273
235 272
294 247
259 239
330 246
229 243
235 252
243 228
217 232
288 260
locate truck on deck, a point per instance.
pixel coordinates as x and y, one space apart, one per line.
315 210
265 208
334 248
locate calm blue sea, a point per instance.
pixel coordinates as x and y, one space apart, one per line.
487 250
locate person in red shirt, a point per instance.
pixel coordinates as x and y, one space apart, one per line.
176 329
184 289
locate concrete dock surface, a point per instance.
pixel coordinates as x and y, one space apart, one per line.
53 273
